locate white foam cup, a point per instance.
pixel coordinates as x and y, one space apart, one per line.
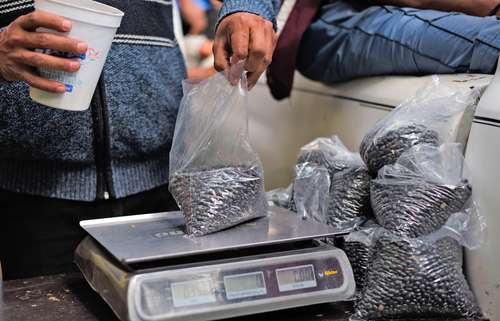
93 23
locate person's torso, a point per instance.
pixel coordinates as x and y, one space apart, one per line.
132 124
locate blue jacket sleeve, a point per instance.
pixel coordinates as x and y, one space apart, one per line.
265 8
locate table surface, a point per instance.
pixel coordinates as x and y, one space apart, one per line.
66 297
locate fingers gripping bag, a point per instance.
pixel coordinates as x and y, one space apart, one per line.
437 114
215 176
417 195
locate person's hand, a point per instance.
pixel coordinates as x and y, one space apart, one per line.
244 36
18 58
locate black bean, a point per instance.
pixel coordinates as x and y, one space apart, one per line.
213 200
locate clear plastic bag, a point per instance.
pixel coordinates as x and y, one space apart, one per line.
415 278
417 195
215 176
279 197
311 192
436 114
349 196
329 152
358 246
331 184
312 179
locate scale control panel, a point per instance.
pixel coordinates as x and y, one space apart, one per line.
237 288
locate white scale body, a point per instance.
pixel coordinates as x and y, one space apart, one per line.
147 269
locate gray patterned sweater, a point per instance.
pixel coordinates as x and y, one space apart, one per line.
120 146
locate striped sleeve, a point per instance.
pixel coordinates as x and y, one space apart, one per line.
265 8
11 9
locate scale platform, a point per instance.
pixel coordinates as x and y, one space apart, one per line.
147 269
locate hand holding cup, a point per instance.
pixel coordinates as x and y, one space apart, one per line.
18 58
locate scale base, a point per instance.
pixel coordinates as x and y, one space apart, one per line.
213 277
122 289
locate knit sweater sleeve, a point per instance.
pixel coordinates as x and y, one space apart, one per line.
264 8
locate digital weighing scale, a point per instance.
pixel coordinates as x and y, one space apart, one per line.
147 269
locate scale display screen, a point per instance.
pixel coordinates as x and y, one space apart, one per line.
245 285
295 278
195 292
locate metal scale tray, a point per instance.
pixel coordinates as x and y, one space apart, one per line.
151 237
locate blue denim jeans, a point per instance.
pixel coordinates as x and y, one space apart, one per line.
347 42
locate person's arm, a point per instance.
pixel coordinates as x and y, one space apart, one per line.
194 15
472 7
246 31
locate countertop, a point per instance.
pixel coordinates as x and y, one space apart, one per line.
67 297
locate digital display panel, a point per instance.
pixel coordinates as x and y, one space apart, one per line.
245 285
295 278
193 292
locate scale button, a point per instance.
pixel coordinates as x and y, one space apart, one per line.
331 272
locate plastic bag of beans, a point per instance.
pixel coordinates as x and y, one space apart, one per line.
417 195
311 192
317 154
349 196
309 195
279 197
358 246
327 172
415 278
436 114
215 176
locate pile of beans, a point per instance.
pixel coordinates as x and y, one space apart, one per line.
307 159
411 278
415 208
349 196
349 190
359 255
411 274
213 200
383 146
